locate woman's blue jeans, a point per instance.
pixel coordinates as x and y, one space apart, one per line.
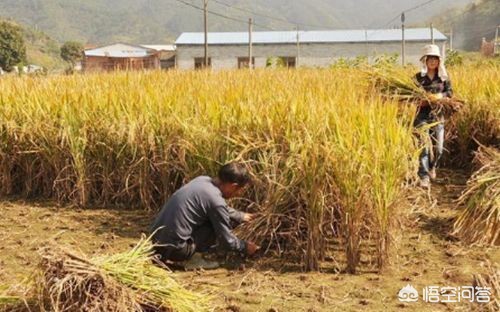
429 158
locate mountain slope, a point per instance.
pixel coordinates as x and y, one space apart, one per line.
41 49
140 21
471 24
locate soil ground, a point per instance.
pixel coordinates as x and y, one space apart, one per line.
423 254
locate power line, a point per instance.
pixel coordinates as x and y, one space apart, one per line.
399 14
418 6
406 11
221 15
283 20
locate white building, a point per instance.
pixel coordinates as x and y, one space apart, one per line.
313 48
120 56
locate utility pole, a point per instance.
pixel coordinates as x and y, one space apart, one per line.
298 48
250 63
205 4
366 44
432 34
403 38
495 45
451 39
443 51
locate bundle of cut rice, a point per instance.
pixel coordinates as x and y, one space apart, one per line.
123 282
491 282
13 297
402 86
8 300
480 220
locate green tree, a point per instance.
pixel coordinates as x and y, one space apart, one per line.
275 62
12 45
72 52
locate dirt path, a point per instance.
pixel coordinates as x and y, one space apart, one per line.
424 254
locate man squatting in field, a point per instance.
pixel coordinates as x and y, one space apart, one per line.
197 216
434 79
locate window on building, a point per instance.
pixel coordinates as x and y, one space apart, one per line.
199 62
243 62
288 61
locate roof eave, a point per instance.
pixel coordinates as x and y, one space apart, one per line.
306 42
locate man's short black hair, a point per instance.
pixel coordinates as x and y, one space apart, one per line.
234 172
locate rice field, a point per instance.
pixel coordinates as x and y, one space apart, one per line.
333 157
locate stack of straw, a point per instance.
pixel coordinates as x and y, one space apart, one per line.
123 282
480 220
490 280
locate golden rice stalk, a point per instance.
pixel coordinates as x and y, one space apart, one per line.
13 297
127 281
8 300
401 86
479 222
490 280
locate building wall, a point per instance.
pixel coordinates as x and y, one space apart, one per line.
99 63
167 59
166 55
311 54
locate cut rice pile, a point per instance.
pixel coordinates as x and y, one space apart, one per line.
479 222
123 282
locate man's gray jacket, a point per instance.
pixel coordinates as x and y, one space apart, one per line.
193 205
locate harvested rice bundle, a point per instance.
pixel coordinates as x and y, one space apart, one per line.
491 281
13 298
480 220
123 282
446 106
401 86
8 300
396 84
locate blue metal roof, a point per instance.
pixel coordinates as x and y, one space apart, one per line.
316 36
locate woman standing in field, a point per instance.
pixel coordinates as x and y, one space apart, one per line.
434 79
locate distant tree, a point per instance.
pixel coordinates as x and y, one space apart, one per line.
275 62
453 58
72 52
12 45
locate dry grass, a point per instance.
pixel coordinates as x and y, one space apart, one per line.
491 281
479 222
123 282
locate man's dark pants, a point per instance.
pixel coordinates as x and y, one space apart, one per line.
202 239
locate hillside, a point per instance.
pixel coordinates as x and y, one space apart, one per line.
41 49
472 23
158 21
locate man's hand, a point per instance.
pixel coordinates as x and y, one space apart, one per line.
251 248
247 217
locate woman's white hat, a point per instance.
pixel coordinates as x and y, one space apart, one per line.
433 50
